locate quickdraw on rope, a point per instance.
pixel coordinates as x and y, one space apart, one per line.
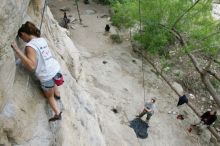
142 56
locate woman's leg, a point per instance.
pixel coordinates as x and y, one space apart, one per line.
56 91
52 102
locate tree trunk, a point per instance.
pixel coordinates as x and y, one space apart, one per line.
210 88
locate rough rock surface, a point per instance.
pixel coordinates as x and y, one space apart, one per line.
24 111
91 90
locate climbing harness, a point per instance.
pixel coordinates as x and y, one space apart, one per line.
42 16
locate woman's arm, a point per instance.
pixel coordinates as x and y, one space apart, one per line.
29 60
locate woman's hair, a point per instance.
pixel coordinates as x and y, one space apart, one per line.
154 99
29 28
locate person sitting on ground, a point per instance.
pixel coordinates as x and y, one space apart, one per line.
208 118
38 59
149 108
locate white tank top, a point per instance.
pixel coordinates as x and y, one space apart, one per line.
47 66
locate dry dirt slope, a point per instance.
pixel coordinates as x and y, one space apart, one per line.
118 84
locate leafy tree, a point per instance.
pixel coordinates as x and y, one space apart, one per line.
187 24
165 23
159 17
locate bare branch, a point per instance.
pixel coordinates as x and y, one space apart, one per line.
195 63
209 65
175 33
181 16
210 35
195 51
182 42
216 61
170 30
213 74
211 89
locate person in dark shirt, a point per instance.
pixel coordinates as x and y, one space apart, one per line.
107 28
208 118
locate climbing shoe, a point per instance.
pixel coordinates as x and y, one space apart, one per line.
56 117
138 116
57 97
147 121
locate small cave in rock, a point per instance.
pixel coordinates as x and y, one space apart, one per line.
114 110
104 62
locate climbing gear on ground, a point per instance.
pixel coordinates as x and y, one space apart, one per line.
189 129
180 117
56 117
58 79
182 99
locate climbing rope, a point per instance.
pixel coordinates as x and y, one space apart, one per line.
80 20
42 16
142 49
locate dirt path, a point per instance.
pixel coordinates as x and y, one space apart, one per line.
118 84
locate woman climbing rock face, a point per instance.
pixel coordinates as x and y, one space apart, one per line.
38 59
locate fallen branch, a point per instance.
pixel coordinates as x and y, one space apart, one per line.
213 74
216 61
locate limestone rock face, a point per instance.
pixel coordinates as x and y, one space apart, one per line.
110 78
24 112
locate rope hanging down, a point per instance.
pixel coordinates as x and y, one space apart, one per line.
42 16
80 20
142 56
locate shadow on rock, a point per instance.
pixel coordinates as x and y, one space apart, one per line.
140 128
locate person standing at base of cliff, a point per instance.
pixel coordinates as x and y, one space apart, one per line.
38 59
149 108
65 19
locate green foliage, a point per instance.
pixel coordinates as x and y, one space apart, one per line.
158 18
215 83
125 13
107 2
